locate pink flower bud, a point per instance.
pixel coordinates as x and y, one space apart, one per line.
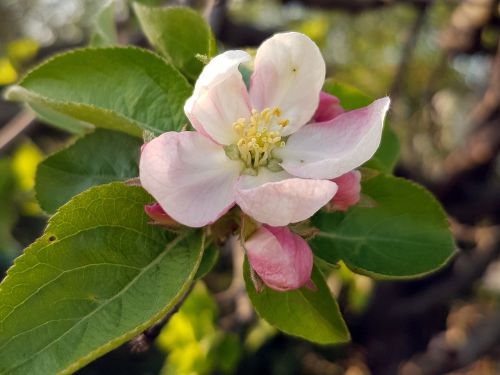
159 216
282 259
349 188
328 108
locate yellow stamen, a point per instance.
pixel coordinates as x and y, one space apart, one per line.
258 136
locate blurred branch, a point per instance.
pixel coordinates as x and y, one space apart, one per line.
483 141
230 32
356 6
17 125
468 20
445 354
408 49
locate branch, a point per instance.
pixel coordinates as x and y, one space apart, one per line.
409 48
445 354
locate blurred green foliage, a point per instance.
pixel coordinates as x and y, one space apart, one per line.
194 343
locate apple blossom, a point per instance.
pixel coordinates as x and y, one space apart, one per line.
348 193
282 259
251 147
159 216
328 108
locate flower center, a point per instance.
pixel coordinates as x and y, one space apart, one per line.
258 136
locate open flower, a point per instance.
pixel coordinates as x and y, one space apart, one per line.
251 147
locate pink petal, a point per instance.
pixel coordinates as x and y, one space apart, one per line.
159 216
219 98
348 192
289 73
328 108
279 199
282 259
330 149
190 176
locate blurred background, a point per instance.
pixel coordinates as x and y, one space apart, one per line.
440 63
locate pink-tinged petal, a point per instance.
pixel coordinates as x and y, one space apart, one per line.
282 259
190 176
330 149
328 108
219 97
289 73
158 215
278 199
349 189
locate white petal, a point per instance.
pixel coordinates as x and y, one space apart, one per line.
219 97
330 149
190 176
279 199
289 73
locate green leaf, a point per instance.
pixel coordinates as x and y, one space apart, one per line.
60 120
387 155
312 315
98 158
349 96
98 276
210 257
104 33
120 88
406 235
180 34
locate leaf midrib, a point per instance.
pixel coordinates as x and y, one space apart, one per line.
154 262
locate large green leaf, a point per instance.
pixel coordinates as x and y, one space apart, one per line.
120 88
98 276
407 233
180 34
387 155
313 315
101 157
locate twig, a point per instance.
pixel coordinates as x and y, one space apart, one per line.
409 48
22 121
443 355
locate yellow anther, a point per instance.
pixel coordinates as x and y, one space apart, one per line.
256 139
283 122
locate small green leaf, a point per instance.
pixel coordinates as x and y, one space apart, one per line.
104 33
349 96
406 235
312 315
98 158
98 276
387 155
121 88
180 34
